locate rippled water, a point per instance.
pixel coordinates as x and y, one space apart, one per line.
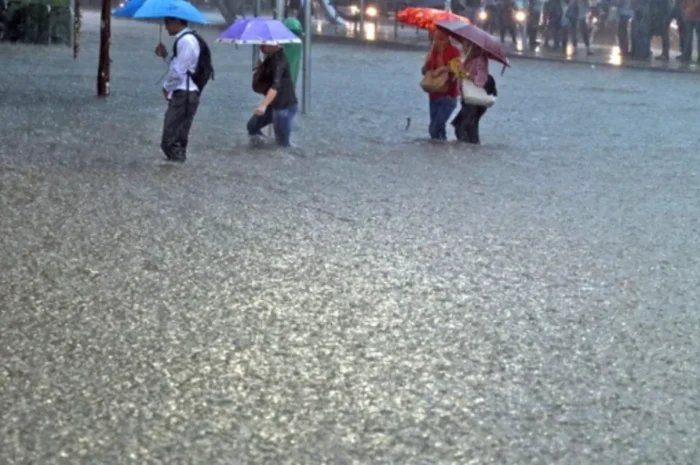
366 297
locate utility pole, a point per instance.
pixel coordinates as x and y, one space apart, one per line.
362 19
306 63
279 9
103 63
256 50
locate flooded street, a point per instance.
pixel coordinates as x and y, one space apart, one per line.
366 297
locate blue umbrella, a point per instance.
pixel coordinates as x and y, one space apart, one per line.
128 9
180 9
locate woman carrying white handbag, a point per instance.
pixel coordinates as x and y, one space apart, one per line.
478 93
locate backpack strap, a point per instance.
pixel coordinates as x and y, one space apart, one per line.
180 37
189 74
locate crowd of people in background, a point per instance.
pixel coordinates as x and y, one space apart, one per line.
556 24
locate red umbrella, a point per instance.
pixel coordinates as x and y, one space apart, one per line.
476 36
427 18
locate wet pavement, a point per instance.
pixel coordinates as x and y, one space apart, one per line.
366 297
389 34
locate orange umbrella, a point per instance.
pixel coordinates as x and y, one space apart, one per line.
427 18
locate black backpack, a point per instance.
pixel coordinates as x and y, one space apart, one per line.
204 70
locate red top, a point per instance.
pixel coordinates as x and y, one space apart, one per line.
435 61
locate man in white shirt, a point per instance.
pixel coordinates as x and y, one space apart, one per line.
179 89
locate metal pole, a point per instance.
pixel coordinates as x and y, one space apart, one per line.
306 63
362 19
279 9
256 13
103 62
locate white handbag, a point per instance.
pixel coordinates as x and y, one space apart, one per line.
475 95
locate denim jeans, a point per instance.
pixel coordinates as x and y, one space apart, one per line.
440 111
281 120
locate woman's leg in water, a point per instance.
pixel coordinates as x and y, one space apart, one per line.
467 123
440 111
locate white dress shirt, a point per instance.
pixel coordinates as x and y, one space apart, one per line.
186 60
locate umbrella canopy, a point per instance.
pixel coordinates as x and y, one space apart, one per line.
180 9
128 9
427 18
476 36
258 31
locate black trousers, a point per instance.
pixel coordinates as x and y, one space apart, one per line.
176 127
466 123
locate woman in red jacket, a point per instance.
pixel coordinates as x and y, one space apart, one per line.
442 104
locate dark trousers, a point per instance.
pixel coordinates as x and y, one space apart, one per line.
508 26
623 35
665 40
533 27
182 107
688 28
580 26
553 31
491 19
466 123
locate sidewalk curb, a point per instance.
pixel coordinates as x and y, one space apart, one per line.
406 46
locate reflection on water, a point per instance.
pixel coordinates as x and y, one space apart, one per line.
369 33
615 56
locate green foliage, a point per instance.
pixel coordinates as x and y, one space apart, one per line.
43 21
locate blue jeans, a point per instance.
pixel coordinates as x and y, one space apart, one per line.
281 120
440 111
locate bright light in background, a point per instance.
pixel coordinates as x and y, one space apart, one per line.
615 56
483 15
372 12
370 31
354 9
520 16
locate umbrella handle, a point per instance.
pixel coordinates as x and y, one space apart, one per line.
160 34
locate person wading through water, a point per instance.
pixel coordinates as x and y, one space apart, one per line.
190 70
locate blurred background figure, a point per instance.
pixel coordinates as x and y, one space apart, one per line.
624 8
660 22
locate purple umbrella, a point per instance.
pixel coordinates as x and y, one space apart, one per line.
258 31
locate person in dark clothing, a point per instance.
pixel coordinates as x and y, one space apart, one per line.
577 12
273 79
466 123
625 16
507 20
677 14
533 23
475 65
659 24
553 22
641 38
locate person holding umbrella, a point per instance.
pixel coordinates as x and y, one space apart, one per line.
273 80
438 82
190 69
479 87
441 86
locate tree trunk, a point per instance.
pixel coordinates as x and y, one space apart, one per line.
103 64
